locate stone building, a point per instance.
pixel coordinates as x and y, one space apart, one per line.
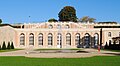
59 34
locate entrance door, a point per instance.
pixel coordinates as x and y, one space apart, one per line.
96 40
59 40
87 41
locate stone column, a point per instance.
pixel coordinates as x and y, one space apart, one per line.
63 40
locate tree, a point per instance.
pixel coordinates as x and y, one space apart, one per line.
87 19
12 46
8 46
3 46
52 20
0 21
68 13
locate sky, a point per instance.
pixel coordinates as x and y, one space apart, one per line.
18 11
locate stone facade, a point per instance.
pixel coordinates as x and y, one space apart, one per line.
57 35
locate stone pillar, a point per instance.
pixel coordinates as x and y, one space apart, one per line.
55 39
73 40
45 39
63 40
36 40
27 39
82 38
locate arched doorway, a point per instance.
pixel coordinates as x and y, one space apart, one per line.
77 40
59 40
96 40
68 39
40 39
50 39
22 39
31 39
86 40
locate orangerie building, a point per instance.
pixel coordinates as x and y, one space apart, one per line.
59 34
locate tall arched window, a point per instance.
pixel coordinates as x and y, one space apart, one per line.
59 39
68 39
22 39
96 40
77 39
109 34
31 39
87 40
50 26
50 39
67 26
58 26
40 39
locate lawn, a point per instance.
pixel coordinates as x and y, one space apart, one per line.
92 61
9 50
111 50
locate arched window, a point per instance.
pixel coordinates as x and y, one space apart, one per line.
50 26
58 26
67 26
40 39
109 34
77 39
68 39
96 40
31 39
59 39
22 39
50 39
87 40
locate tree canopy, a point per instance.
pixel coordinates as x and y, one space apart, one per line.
68 13
87 19
52 20
0 21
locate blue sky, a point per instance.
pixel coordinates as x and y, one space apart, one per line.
18 11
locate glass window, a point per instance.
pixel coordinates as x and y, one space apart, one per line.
40 39
109 34
68 39
77 39
67 26
87 40
50 27
59 39
58 26
22 39
96 40
50 39
31 39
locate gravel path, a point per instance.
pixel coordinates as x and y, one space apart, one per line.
51 54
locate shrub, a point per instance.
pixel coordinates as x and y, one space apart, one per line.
106 45
0 47
12 46
3 46
8 46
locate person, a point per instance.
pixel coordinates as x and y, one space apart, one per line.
98 48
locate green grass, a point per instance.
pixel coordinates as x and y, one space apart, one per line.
92 61
111 50
9 50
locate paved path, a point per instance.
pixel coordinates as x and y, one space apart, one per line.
38 54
